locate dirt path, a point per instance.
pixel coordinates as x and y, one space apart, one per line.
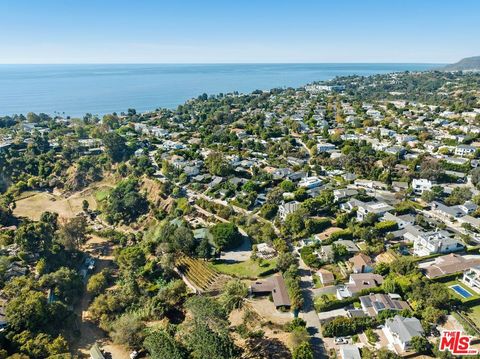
89 331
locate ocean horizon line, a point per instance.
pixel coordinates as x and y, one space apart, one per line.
224 63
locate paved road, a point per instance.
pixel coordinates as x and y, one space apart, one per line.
309 314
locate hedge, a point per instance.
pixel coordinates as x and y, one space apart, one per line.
341 326
335 236
386 226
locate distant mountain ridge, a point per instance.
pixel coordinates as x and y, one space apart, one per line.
466 64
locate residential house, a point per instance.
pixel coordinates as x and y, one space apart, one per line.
471 277
340 194
286 208
377 208
400 331
450 264
326 277
447 212
326 252
357 283
399 186
374 303
402 221
435 242
325 147
275 286
310 182
421 185
349 351
265 251
361 263
465 150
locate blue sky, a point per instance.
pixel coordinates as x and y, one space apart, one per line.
214 31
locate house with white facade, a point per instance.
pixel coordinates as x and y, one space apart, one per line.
377 208
471 277
435 242
402 220
357 283
399 332
421 185
465 150
310 182
325 147
286 208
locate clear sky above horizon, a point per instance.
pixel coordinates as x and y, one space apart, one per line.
218 31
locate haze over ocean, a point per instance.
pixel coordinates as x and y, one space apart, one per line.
77 89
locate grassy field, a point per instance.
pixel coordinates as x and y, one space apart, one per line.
102 193
35 204
247 269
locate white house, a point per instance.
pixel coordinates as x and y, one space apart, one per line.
377 208
435 242
310 182
399 331
471 277
402 221
421 184
286 208
357 283
325 147
465 150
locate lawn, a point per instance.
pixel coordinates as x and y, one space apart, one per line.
248 269
474 314
102 193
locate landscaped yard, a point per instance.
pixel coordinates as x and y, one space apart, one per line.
247 269
462 288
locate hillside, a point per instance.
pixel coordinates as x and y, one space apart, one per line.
466 64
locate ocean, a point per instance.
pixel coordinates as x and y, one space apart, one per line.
74 90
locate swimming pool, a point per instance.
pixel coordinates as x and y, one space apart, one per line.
461 291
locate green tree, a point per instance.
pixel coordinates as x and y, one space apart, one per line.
131 260
28 310
125 203
217 164
128 329
285 261
73 233
233 295
421 345
226 236
160 344
98 282
303 351
116 147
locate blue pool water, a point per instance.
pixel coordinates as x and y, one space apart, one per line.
76 89
460 290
